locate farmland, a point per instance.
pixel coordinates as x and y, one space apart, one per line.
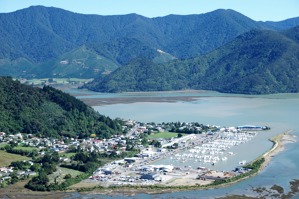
7 158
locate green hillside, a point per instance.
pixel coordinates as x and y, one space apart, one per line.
49 112
256 62
124 50
36 40
80 63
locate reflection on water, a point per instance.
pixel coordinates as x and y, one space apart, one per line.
279 111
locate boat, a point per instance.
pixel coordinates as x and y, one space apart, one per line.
224 158
243 162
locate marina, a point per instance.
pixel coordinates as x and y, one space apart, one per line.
213 152
193 160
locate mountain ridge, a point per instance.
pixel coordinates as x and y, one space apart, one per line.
39 35
256 62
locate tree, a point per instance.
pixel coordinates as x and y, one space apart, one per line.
156 143
35 167
41 179
55 157
14 178
13 144
175 145
34 154
67 176
49 168
180 135
80 156
144 142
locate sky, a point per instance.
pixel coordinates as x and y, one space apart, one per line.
259 10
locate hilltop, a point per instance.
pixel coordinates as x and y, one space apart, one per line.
48 112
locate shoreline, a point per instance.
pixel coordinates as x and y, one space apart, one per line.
278 141
278 146
129 100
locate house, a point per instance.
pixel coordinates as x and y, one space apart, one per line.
166 168
6 170
19 173
6 178
2 134
147 154
161 150
147 168
30 173
19 136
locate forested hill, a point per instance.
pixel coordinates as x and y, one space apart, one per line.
49 112
257 62
50 42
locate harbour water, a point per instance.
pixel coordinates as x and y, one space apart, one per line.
279 111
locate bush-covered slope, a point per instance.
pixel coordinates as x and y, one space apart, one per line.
255 62
144 75
34 39
81 62
124 50
48 112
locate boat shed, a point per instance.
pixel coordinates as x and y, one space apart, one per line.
150 176
131 160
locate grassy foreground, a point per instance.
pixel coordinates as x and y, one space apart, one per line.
61 173
7 158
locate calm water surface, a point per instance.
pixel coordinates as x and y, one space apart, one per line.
279 111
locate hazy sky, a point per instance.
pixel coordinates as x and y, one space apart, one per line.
260 10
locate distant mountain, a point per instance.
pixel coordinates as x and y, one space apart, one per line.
39 41
81 62
123 50
48 112
281 25
256 62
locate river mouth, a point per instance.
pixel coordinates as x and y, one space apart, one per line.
102 99
111 101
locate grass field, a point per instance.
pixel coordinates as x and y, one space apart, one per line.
26 148
7 158
68 155
3 144
163 135
61 172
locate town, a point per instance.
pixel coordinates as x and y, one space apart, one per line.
130 158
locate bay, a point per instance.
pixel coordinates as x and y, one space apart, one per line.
279 111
